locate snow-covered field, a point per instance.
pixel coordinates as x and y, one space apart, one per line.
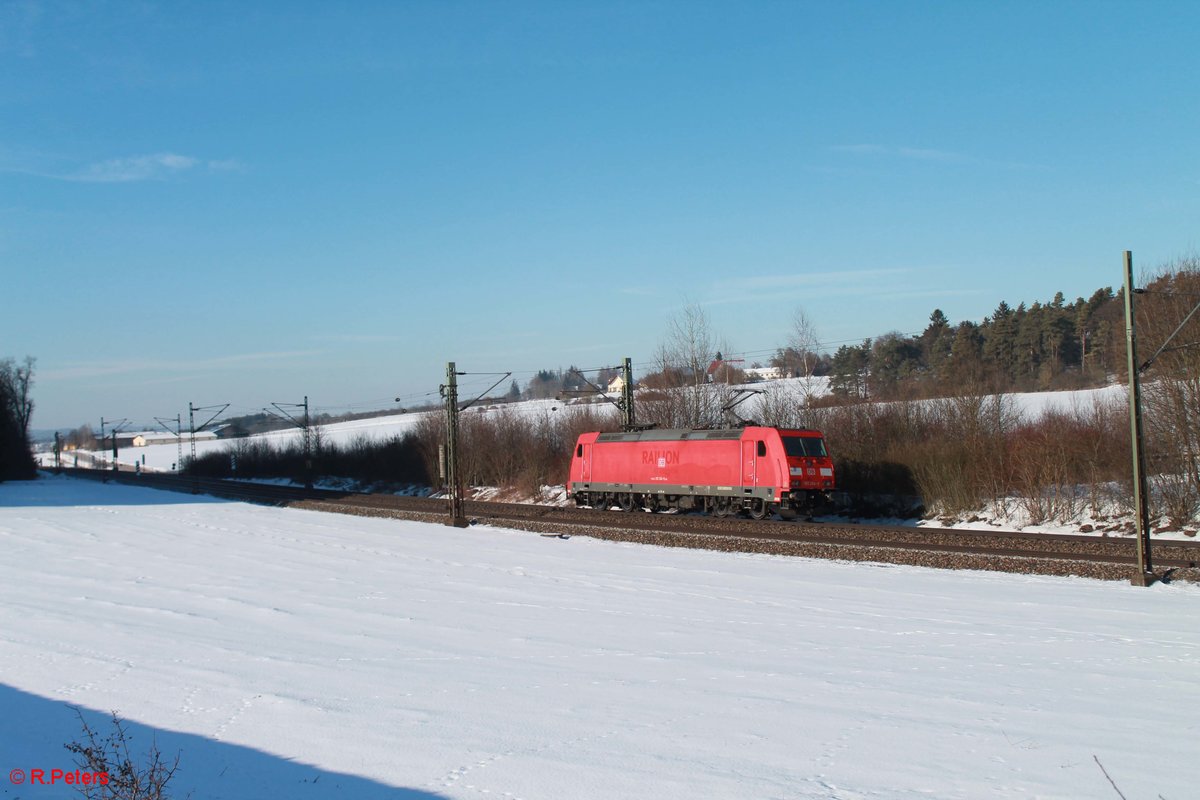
287 653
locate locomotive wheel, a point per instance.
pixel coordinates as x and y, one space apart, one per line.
625 501
759 509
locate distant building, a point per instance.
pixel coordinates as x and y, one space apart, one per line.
146 438
616 385
766 373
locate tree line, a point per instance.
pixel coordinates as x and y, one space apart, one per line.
1052 346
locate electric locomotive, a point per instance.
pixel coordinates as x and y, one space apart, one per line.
754 470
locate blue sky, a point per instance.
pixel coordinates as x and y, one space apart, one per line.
254 202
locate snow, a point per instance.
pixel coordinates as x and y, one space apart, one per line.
290 653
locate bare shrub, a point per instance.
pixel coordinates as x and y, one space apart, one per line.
125 775
1177 498
1042 469
430 434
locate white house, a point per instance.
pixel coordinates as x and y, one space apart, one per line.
766 373
162 437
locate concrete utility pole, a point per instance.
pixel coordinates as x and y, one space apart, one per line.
454 487
1144 575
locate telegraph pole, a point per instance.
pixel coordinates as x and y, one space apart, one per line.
1145 570
454 487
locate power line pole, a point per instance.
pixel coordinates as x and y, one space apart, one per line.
178 434
308 456
624 403
116 429
1145 570
192 427
454 487
306 432
628 421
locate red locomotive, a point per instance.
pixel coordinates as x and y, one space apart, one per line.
757 470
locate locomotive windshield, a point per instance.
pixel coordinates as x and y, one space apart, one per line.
804 446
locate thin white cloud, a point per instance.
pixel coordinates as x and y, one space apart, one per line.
136 168
358 338
827 280
809 279
225 165
915 153
153 167
861 149
881 282
96 369
924 154
928 154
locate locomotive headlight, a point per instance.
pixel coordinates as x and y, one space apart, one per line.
826 472
797 470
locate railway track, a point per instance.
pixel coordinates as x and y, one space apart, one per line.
1110 558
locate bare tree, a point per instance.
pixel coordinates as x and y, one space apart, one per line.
16 410
686 398
689 344
1172 386
802 339
18 380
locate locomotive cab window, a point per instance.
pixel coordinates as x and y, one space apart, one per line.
804 446
579 451
762 449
